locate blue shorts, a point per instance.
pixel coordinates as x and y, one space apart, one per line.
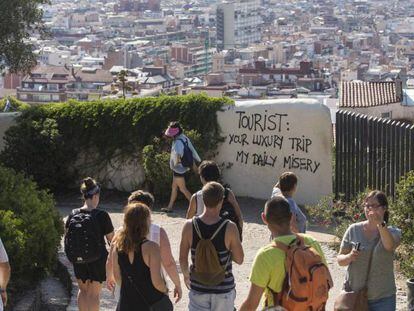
383 304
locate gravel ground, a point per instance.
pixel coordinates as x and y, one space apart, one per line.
255 235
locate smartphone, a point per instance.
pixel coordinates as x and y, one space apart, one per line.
357 245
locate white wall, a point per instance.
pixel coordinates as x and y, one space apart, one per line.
254 169
265 138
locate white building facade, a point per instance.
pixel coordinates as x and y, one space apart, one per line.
238 24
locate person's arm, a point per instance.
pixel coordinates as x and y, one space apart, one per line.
109 237
154 263
347 253
194 151
233 201
185 245
346 256
253 299
192 207
169 264
293 224
115 267
234 244
387 239
110 279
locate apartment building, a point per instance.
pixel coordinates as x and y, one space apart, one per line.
58 84
238 24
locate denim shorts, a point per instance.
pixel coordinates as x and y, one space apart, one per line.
207 302
383 304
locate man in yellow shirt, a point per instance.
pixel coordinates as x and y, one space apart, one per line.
268 269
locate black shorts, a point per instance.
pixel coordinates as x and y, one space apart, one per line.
186 175
94 271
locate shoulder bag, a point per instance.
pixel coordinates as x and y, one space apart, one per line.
349 300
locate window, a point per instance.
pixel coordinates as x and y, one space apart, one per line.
23 96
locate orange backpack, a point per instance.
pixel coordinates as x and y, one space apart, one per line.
308 280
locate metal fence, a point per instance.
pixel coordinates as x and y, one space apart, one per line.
371 153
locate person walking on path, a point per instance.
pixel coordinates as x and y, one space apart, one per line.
158 235
287 186
209 171
85 231
214 243
5 271
137 264
372 243
183 158
268 272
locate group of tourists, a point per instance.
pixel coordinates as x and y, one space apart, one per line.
289 272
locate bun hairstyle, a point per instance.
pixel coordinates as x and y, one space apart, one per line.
382 200
89 187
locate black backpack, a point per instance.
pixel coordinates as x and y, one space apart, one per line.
82 240
187 159
227 212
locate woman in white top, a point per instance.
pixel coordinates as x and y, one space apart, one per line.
4 275
209 171
158 235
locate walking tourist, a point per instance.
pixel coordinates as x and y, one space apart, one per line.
269 275
287 186
4 275
158 235
182 159
137 264
209 171
214 243
85 232
368 249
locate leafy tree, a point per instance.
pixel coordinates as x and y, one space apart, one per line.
20 20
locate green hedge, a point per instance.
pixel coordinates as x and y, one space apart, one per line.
30 227
402 215
48 140
15 105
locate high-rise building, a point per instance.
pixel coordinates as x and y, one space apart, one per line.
238 23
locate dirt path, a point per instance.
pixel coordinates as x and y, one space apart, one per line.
255 235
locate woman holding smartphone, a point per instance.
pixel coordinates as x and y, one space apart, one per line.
372 241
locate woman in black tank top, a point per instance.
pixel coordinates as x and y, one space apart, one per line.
136 278
137 264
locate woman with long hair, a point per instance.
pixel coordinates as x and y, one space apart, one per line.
158 235
368 249
137 264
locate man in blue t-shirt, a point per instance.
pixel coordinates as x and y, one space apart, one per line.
287 186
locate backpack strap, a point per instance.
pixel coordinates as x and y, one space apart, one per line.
197 228
218 229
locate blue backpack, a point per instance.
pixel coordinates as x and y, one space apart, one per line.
187 159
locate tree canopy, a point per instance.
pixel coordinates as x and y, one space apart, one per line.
20 20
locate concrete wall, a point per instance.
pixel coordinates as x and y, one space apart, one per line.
6 120
265 138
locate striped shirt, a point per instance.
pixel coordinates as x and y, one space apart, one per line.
224 255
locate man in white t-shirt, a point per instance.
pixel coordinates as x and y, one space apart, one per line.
4 275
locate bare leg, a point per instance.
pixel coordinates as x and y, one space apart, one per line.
174 193
183 188
83 295
94 294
